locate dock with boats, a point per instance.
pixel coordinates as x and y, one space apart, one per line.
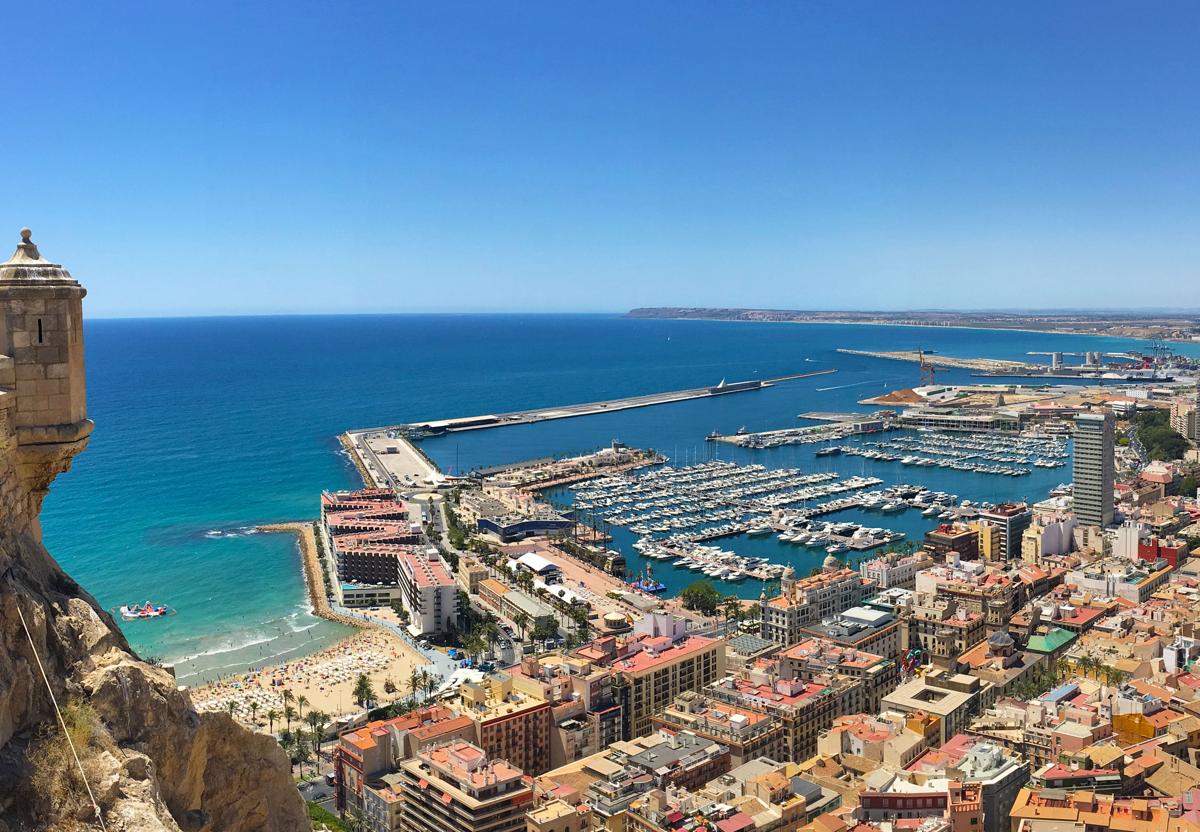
992 454
837 426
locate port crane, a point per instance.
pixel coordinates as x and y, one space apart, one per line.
928 372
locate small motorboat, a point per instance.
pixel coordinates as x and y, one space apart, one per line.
136 612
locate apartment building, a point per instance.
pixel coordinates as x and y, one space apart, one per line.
1119 578
661 760
451 788
804 601
656 663
977 586
746 733
894 569
587 713
804 708
1010 520
378 746
1094 468
952 697
888 739
510 724
816 658
944 628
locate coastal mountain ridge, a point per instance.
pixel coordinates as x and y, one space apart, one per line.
146 758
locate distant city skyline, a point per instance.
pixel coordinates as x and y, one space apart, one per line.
269 158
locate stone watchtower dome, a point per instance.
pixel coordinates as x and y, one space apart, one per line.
43 406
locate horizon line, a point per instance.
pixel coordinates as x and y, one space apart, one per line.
1130 311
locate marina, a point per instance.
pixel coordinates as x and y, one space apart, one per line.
691 506
998 455
741 524
707 497
805 435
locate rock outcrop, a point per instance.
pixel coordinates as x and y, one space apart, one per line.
151 761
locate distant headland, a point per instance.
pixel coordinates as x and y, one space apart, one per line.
1172 326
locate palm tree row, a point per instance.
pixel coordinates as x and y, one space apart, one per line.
422 681
302 746
1097 669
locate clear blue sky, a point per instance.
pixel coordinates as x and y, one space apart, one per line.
208 157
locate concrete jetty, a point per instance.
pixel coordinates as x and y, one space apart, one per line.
389 457
524 417
987 364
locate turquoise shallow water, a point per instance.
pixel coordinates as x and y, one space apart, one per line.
207 427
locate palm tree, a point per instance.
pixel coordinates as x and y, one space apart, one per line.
431 683
254 712
1064 668
286 740
414 681
354 821
301 701
272 715
289 714
490 633
521 621
300 750
319 720
473 644
731 606
363 691
314 724
287 696
231 706
580 616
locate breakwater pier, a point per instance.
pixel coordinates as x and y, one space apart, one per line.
982 364
524 417
389 457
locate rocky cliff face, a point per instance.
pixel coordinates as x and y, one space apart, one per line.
152 762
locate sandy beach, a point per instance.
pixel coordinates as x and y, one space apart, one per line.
325 679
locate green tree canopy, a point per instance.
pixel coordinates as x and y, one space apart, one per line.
701 596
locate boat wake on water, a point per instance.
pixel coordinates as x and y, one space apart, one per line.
855 384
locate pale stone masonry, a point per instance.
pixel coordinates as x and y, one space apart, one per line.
43 404
174 765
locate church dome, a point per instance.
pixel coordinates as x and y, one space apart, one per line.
1000 639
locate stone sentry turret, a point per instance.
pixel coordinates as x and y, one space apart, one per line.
154 763
43 400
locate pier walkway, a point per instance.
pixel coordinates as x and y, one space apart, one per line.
524 417
389 456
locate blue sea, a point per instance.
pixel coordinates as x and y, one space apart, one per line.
207 427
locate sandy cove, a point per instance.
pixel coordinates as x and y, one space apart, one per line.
325 679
